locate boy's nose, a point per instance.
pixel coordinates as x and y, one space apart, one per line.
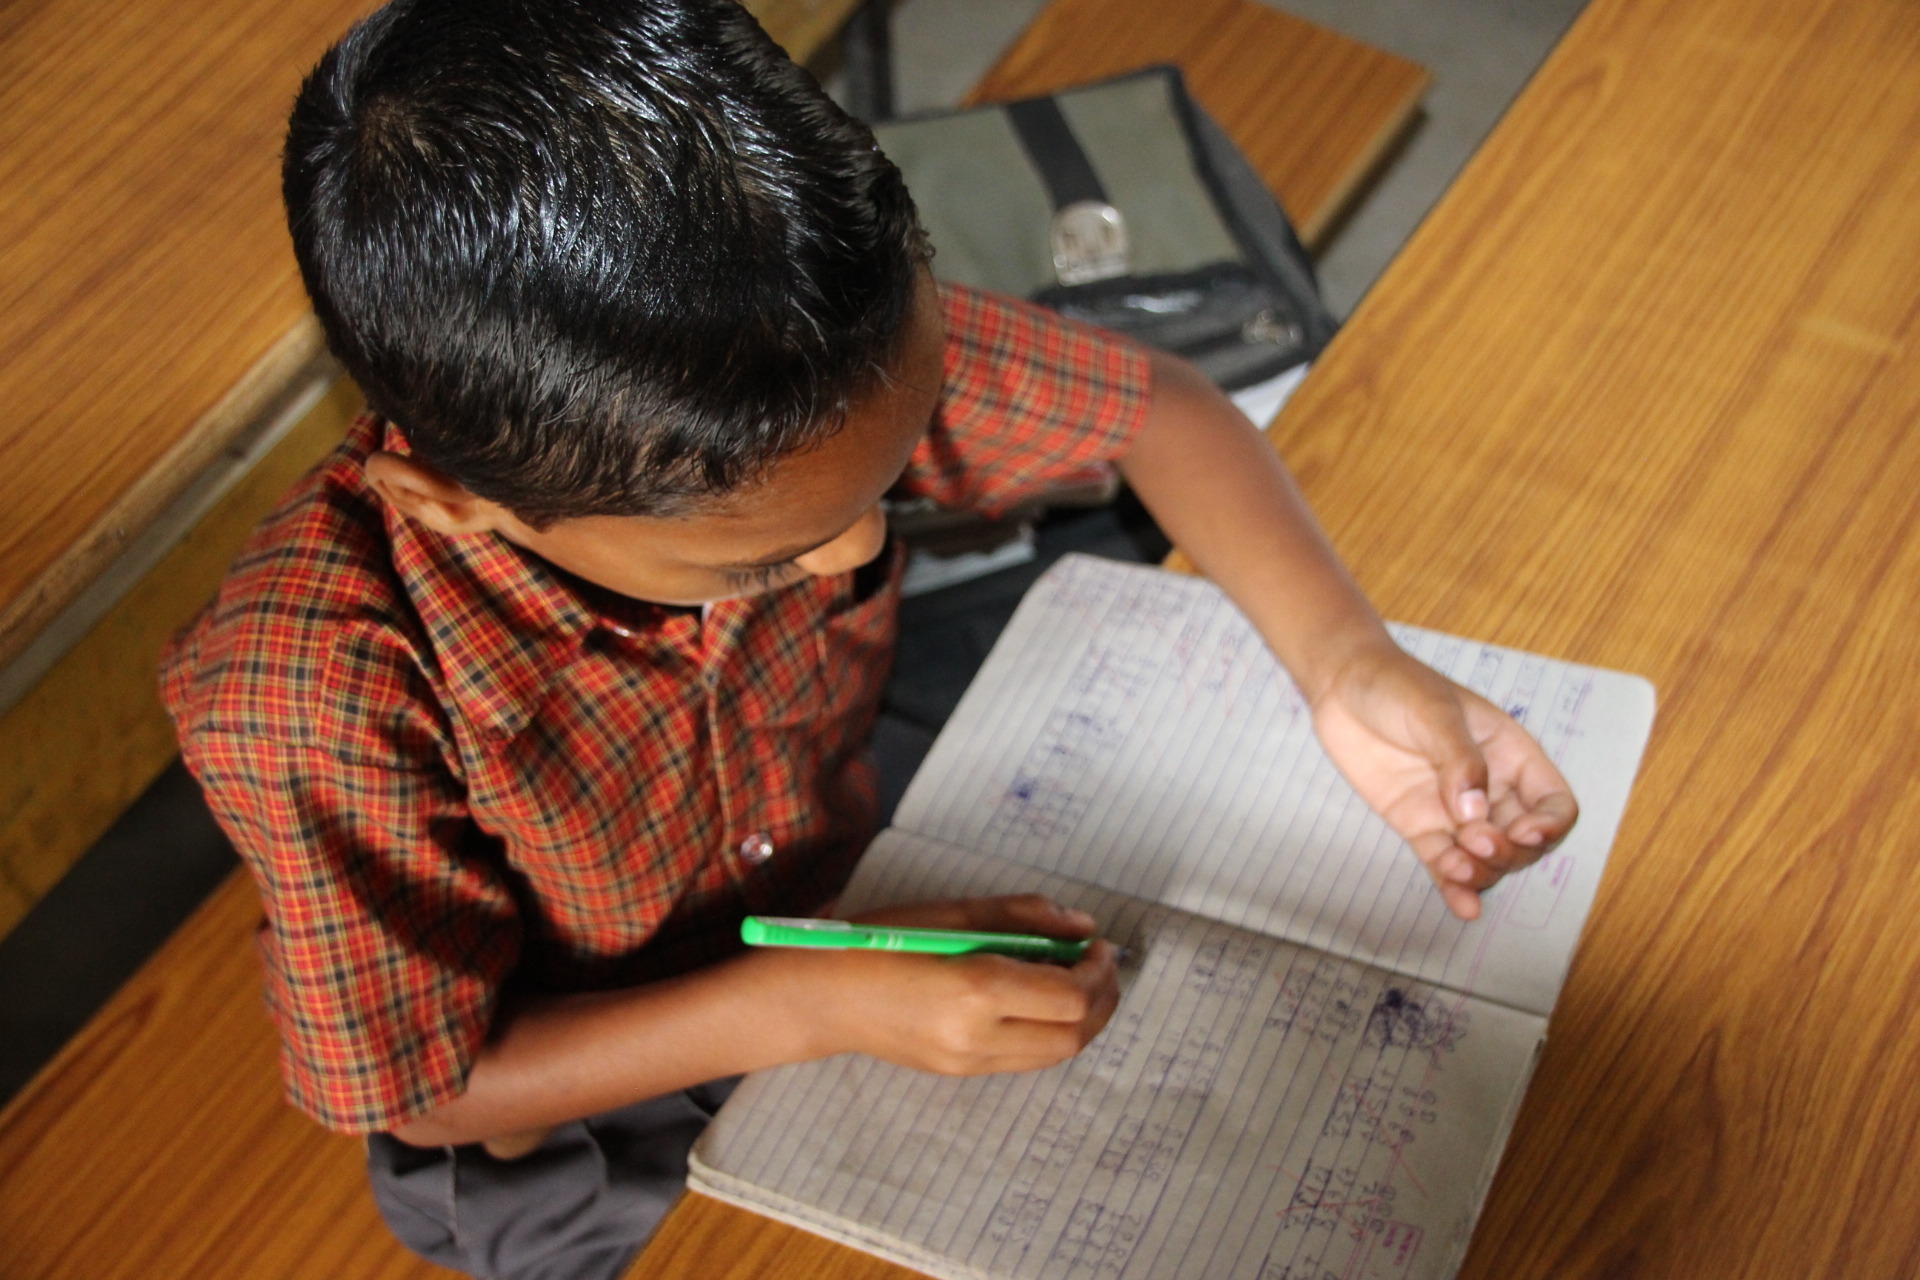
860 543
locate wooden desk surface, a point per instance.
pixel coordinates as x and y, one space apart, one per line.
1643 392
150 310
85 1192
144 269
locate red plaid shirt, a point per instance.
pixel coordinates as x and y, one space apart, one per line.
452 768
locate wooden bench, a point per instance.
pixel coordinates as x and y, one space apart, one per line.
156 1144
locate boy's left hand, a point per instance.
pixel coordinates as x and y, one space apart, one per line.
1465 785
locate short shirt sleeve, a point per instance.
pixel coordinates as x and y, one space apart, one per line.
389 932
1031 401
392 922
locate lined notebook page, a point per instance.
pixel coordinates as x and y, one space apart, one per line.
1131 730
1253 1110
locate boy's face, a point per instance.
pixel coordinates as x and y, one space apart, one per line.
816 512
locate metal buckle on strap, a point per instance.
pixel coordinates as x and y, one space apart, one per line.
1089 240
1269 328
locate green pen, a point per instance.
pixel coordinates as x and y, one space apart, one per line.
774 931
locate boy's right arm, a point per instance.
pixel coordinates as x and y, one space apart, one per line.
553 1059
392 937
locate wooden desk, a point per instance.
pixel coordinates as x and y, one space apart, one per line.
1642 392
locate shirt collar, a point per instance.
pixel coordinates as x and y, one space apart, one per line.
502 622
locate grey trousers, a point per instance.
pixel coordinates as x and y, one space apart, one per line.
577 1207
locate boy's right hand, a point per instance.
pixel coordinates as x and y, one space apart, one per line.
958 1015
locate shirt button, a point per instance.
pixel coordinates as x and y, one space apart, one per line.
625 633
756 848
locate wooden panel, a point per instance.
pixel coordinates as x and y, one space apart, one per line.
91 735
1641 392
143 264
1313 111
150 310
157 1143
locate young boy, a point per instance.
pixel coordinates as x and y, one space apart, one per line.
567 659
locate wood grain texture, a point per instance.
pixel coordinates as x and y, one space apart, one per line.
1313 110
1642 392
714 1241
150 309
156 1144
91 735
263 393
144 271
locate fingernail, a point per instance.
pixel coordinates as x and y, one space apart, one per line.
1473 804
1481 843
1531 838
1079 919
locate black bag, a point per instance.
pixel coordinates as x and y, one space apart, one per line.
1124 205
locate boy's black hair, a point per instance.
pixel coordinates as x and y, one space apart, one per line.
595 257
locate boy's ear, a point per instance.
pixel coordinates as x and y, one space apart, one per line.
421 493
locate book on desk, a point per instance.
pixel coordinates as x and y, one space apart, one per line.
1313 1067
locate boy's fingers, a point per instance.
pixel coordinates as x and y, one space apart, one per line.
1013 913
1546 822
1049 993
1028 913
1025 1045
1098 974
1460 900
1031 1046
1106 995
1528 783
1457 874
1450 862
1457 760
1483 840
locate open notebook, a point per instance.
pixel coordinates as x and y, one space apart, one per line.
1313 1067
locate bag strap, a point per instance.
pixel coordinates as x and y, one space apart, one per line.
1088 237
1048 140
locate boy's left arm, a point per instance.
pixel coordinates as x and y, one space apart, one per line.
1464 784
